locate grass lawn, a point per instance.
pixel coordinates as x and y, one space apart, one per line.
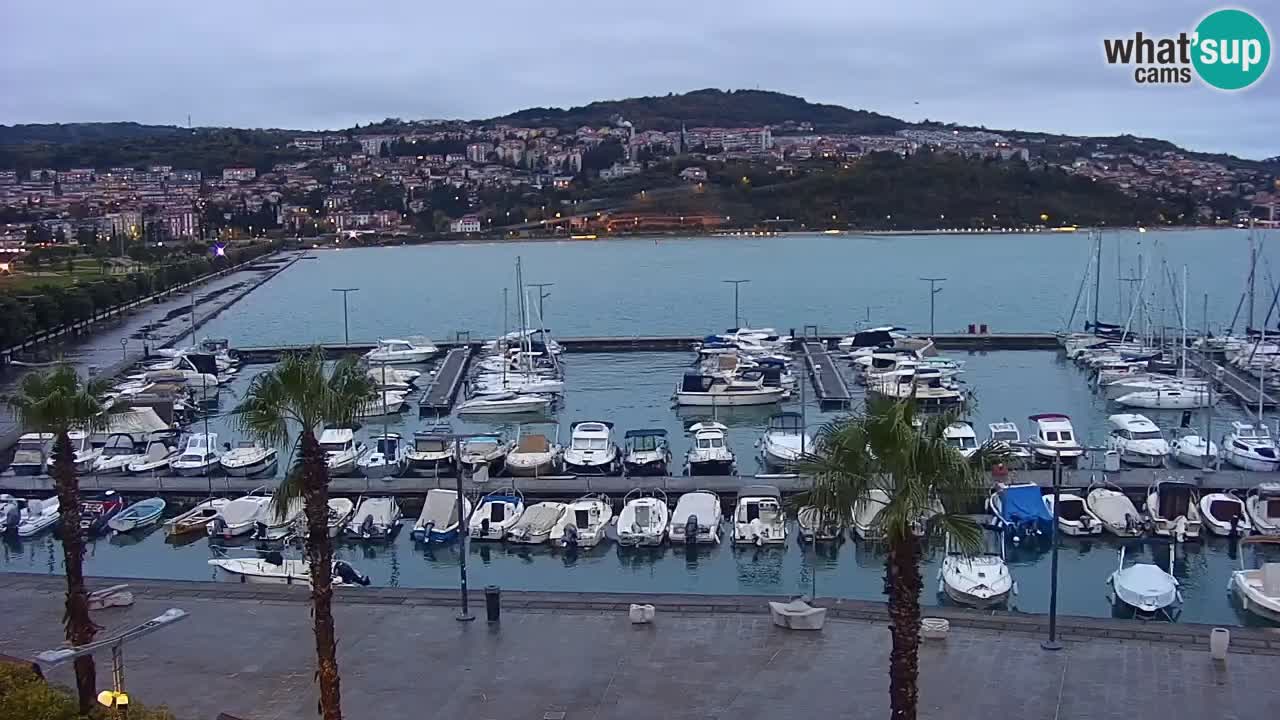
83 270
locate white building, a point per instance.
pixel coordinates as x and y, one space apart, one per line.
466 224
240 174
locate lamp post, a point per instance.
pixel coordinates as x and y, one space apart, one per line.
464 615
736 283
1052 643
933 292
541 296
346 331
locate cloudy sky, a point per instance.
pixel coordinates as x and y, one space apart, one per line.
326 64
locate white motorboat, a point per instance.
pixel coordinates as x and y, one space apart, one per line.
592 450
197 519
1258 588
533 455
438 522
496 514
1004 436
1194 451
1250 447
84 452
483 451
338 514
518 383
926 387
1054 438
784 442
271 524
815 526
1145 588
1137 440
698 390
31 453
696 518
758 517
960 435
1263 505
1224 514
341 451
387 458
647 453
709 453
644 518
274 569
249 459
375 518
26 518
156 459
394 351
138 516
117 453
980 581
535 524
866 512
583 523
199 456
1173 507
1117 512
240 516
1074 516
389 378
432 452
383 403
504 403
1150 382
1171 397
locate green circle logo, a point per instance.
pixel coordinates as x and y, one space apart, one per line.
1232 49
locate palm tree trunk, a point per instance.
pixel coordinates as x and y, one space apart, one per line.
904 585
315 479
79 627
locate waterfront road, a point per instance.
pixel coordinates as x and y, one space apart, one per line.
247 650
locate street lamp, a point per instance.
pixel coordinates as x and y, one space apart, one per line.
464 532
541 296
933 291
346 331
736 283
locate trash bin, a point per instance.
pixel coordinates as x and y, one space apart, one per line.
492 602
1111 461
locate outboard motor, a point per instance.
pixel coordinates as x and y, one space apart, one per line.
484 527
691 530
366 527
570 537
273 557
1235 525
217 525
12 518
348 574
260 530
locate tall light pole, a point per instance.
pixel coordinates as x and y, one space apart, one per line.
736 283
933 292
542 321
346 330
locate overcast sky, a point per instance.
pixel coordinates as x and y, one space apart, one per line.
314 64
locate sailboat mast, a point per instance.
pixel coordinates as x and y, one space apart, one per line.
1097 276
1208 421
502 345
1253 272
523 306
1183 373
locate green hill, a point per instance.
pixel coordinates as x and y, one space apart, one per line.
68 133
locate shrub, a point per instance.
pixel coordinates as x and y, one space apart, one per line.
25 696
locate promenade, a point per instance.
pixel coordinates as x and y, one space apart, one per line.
247 650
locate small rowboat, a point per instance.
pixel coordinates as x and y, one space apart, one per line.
142 514
194 520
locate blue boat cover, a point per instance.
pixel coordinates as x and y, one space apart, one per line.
1022 507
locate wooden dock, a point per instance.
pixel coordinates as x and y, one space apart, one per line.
828 383
438 398
1233 383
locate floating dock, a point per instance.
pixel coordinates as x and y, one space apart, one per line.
438 398
1232 383
829 385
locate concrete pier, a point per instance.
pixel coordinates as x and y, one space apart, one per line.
828 383
438 398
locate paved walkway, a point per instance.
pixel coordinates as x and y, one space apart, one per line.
247 650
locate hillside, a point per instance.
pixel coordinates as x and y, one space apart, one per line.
710 107
68 133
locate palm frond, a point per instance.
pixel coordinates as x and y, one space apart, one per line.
290 489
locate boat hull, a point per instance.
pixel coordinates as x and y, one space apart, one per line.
653 468
609 467
712 467
525 467
1250 463
257 468
742 399
194 471
1268 609
980 602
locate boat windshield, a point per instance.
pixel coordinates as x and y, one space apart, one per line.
590 443
1005 435
712 442
30 445
1145 434
963 443
645 443
114 450
334 447
387 446
432 445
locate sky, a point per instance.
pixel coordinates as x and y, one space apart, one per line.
324 64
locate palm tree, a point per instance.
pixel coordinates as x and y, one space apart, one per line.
297 395
888 448
56 402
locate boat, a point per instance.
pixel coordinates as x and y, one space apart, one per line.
1137 440
1194 451
483 451
96 510
699 390
249 459
865 513
817 527
341 450
758 518
1263 505
272 525
591 450
26 518
382 404
504 403
647 453
583 522
1074 516
535 524
196 519
1224 514
496 514
1258 588
960 435
338 513
274 569
1117 512
925 387
31 453
388 378
438 521
533 455
84 453
1250 447
1004 436
784 442
388 458
140 515
241 516
696 518
1020 511
1172 397
1145 588
394 351
644 518
709 453
159 455
979 581
1173 508
1054 439
117 453
198 457
376 518
432 452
